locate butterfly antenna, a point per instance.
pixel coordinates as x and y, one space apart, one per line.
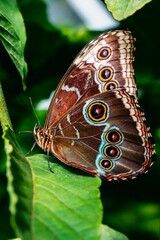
37 121
33 111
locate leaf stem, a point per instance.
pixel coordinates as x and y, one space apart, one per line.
4 115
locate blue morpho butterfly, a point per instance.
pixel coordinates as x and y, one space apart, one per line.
94 121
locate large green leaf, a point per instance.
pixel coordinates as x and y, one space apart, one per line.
12 34
65 202
123 9
59 205
45 205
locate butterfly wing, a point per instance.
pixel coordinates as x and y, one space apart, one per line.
94 121
106 63
105 135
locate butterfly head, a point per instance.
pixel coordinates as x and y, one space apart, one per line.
42 138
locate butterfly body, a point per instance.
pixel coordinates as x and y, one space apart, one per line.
94 121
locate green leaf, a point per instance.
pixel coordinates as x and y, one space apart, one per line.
12 35
111 234
123 9
20 187
59 205
67 200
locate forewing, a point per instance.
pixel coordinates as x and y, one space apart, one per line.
106 63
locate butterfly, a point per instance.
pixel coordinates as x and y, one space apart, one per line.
94 121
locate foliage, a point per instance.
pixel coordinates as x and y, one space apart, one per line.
13 35
66 204
123 9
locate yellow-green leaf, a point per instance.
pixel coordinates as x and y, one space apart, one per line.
123 9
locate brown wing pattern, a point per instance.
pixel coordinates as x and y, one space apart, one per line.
81 142
106 63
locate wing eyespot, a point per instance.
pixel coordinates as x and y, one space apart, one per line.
110 86
104 53
97 111
113 136
111 151
105 74
106 164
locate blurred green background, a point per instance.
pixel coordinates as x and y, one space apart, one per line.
131 207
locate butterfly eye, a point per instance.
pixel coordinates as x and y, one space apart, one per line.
97 111
106 164
113 136
105 74
104 53
110 86
111 151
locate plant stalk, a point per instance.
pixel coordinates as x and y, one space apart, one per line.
4 115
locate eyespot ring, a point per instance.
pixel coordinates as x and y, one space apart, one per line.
97 111
105 74
106 164
110 86
104 53
112 151
113 136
